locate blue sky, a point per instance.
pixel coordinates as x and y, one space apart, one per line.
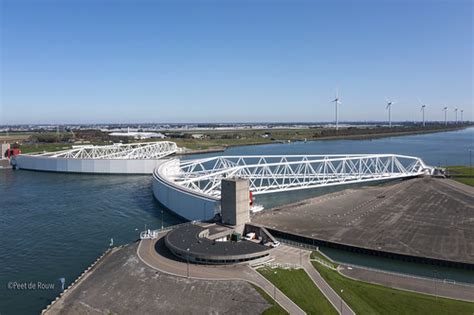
223 61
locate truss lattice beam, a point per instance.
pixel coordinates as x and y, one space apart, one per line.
268 174
132 151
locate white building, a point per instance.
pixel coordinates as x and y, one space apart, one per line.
138 135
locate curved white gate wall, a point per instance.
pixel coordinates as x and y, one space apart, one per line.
98 166
187 204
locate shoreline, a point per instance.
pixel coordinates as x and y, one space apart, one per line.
223 148
217 145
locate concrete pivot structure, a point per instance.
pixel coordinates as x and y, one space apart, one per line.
210 244
192 189
3 151
134 158
235 203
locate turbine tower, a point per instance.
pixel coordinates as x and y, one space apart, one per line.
456 115
462 120
445 110
423 111
423 107
337 102
389 108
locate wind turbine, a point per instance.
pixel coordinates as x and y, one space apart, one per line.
445 110
389 107
337 102
456 112
462 120
423 107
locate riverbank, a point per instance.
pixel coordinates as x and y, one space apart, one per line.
370 298
219 141
210 141
462 174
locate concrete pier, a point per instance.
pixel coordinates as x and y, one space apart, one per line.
121 283
424 218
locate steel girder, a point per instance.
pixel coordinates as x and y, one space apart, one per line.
268 174
146 150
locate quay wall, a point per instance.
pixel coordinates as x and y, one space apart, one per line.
368 251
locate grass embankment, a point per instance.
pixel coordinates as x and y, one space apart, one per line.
204 144
318 255
227 138
367 298
44 147
275 309
462 174
299 287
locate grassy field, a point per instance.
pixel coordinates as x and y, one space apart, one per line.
462 174
275 309
198 144
366 298
217 139
40 147
467 181
299 287
227 138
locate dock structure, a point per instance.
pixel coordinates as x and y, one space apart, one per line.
426 220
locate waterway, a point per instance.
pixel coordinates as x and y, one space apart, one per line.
54 226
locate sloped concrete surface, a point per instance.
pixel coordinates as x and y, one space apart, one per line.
122 284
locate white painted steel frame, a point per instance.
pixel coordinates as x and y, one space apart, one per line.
269 174
131 151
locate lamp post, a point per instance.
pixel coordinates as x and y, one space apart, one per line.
342 290
470 160
187 262
274 290
162 224
470 157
